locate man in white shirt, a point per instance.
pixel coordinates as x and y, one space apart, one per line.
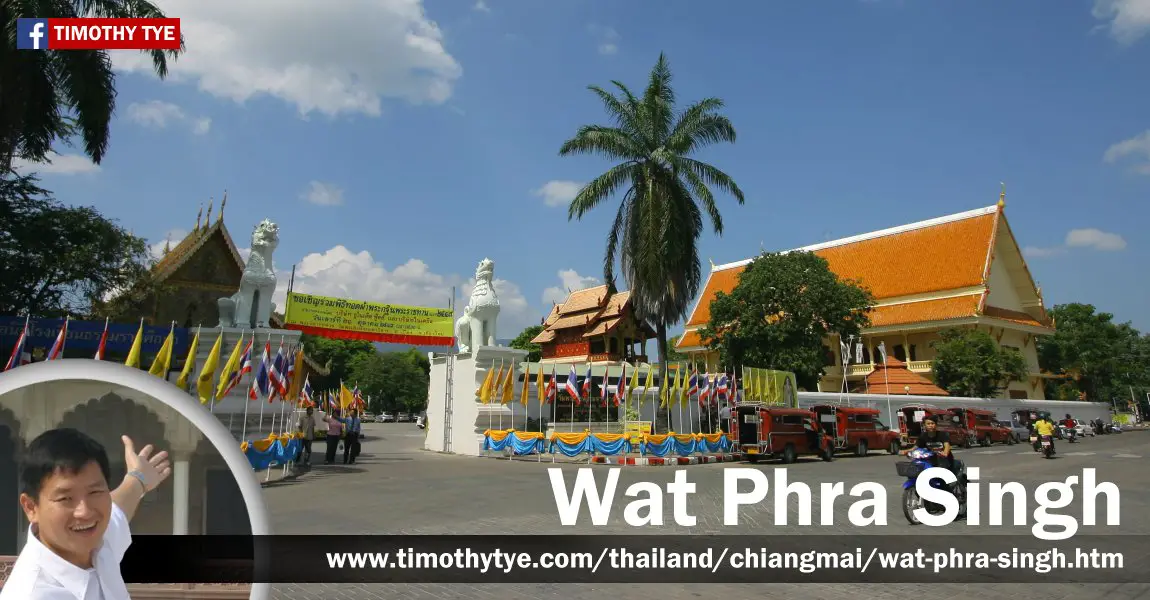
79 526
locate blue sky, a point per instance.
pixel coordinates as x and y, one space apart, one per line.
397 143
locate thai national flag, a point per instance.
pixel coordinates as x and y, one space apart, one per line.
289 373
17 357
305 394
705 389
276 374
552 387
605 391
245 367
103 342
723 387
572 385
57 350
261 383
693 383
588 382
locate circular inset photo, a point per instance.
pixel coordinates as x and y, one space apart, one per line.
93 453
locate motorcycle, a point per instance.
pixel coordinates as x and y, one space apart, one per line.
1047 447
922 459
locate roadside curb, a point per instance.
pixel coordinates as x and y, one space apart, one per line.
669 461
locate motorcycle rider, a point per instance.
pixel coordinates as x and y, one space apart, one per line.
936 441
1070 424
1044 426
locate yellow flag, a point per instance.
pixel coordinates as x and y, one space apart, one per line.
137 348
681 385
189 362
540 386
765 386
485 389
509 385
497 385
649 381
346 398
297 381
163 361
204 381
526 384
664 390
634 383
230 367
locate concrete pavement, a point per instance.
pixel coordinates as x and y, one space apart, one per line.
396 488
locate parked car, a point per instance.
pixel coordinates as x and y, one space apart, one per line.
386 417
1020 433
1083 429
403 418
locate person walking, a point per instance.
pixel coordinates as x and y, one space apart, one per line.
334 429
306 429
351 441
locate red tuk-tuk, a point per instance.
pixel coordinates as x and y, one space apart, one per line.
981 426
783 433
856 429
910 420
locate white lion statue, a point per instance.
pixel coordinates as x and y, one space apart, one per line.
477 325
251 306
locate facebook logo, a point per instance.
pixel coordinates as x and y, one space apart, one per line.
31 34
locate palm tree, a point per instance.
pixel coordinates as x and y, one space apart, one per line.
665 192
50 96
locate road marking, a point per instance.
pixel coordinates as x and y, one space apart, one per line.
1080 454
1127 456
1025 452
990 452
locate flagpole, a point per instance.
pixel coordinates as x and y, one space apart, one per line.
590 389
255 332
255 378
886 379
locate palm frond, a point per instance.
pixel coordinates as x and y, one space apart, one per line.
598 190
698 126
659 99
609 142
625 116
715 178
702 194
87 85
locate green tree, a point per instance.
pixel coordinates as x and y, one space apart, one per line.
780 312
395 381
1097 357
674 355
523 342
338 356
663 192
52 96
57 259
971 364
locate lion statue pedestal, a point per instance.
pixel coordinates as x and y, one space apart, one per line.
477 325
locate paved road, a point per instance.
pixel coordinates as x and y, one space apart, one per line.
395 488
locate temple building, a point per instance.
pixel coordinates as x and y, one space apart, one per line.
594 325
962 270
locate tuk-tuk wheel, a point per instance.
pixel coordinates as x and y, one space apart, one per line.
828 453
753 458
966 443
861 449
1010 441
894 447
789 454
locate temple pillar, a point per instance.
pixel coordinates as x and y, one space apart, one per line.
181 470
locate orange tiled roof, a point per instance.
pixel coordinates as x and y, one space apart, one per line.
590 309
924 311
895 375
187 248
1013 316
942 254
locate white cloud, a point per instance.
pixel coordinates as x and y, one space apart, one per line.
558 192
342 273
1096 239
332 58
323 194
481 6
159 115
1036 252
58 164
571 281
1137 148
1127 20
172 237
607 37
